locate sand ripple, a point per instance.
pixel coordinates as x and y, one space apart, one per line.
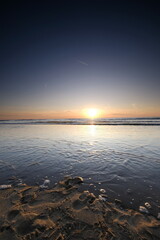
65 213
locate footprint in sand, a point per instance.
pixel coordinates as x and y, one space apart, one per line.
12 214
134 220
84 200
28 196
25 227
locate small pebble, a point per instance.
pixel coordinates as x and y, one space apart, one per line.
102 190
43 186
143 209
47 181
148 205
102 197
5 186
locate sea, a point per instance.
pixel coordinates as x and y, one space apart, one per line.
119 157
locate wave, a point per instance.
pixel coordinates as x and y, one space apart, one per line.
81 121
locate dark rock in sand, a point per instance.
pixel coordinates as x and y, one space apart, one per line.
118 202
69 182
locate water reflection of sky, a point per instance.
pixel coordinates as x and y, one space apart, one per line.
120 157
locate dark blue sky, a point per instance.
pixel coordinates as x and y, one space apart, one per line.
60 57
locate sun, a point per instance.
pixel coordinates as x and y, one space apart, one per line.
92 112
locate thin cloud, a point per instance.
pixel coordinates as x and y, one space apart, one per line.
83 63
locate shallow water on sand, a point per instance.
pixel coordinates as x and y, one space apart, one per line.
123 160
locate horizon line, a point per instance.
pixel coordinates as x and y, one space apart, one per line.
23 119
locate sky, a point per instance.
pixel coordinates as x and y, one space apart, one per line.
60 58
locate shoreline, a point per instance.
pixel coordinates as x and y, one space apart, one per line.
65 213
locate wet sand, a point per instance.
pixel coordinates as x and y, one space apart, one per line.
66 213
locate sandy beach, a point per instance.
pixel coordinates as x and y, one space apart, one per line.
65 213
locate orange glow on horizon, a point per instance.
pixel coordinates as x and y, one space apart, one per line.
90 112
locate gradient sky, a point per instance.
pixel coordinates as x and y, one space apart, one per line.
61 57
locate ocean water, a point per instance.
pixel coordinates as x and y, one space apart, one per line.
82 121
122 157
